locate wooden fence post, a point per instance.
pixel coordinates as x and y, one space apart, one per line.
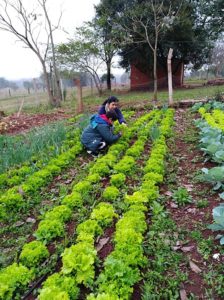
80 107
169 69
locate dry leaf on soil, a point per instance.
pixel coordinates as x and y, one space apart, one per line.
194 267
173 205
183 294
187 248
168 193
102 242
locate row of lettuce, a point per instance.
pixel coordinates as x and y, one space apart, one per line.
33 253
211 130
53 224
27 180
121 267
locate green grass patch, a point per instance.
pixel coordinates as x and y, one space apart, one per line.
40 102
20 148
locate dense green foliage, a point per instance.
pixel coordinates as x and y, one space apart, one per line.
190 29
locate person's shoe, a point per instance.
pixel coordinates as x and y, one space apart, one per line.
94 154
102 145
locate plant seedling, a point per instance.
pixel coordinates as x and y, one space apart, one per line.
181 196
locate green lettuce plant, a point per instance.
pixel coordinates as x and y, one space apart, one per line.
14 278
103 296
104 214
93 178
49 229
73 200
111 193
125 165
83 187
118 278
79 260
89 227
118 180
100 168
33 254
58 287
62 213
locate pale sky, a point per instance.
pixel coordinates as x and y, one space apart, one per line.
16 62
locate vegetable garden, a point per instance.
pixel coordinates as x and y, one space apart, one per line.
138 222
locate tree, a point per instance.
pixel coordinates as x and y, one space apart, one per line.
144 22
106 34
103 78
7 84
29 25
148 29
82 54
217 58
28 85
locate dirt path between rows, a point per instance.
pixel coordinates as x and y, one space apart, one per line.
192 218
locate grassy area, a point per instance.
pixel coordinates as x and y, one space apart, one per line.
178 95
194 81
38 102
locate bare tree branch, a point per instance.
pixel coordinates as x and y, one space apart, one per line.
27 25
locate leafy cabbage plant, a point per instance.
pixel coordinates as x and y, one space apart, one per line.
218 216
215 176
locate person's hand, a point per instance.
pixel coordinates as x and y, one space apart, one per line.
124 124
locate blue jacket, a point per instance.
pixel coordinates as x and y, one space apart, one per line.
99 130
102 111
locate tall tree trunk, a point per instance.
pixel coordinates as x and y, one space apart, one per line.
49 91
109 75
155 75
97 83
58 92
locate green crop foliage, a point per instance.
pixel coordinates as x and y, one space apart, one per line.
79 260
49 229
118 179
58 287
111 193
104 214
15 277
181 196
33 254
18 149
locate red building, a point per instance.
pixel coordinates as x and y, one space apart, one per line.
140 80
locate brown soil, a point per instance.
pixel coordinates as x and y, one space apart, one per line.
190 217
109 246
25 122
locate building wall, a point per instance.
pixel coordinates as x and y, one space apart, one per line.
143 81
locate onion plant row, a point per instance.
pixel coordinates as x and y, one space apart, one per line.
48 147
17 149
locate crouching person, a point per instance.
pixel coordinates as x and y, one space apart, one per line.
99 133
